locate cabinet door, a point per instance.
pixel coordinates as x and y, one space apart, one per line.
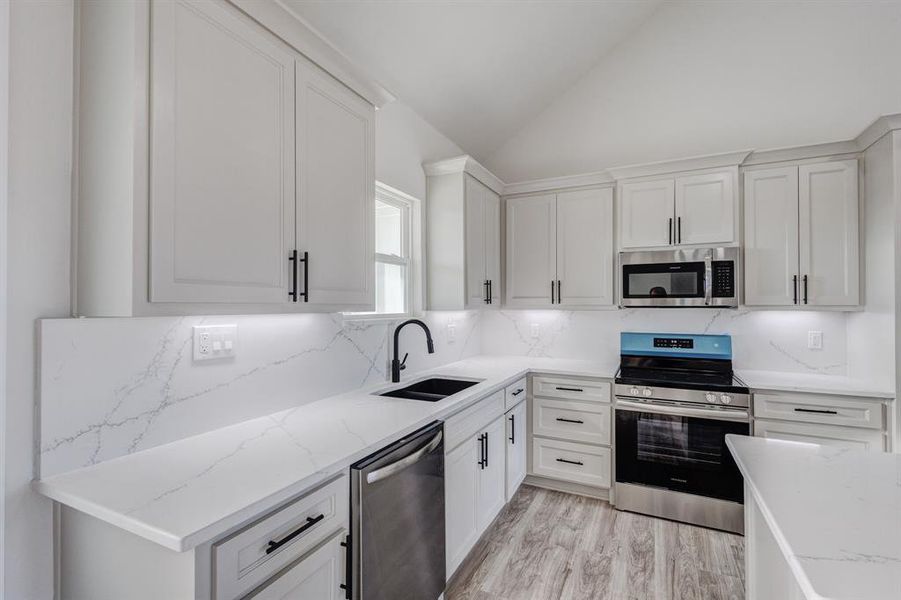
646 214
516 448
829 233
335 190
585 247
771 237
492 478
531 250
461 473
476 247
318 576
705 209
222 158
493 246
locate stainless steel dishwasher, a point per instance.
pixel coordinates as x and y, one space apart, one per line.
396 545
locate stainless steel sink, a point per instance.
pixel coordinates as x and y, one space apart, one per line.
430 390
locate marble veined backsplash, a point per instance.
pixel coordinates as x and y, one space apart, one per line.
110 387
761 340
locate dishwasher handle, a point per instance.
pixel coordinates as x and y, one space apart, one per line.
400 465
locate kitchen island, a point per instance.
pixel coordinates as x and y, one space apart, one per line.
821 523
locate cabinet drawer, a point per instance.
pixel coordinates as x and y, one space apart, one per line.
318 576
569 461
515 393
465 424
240 562
571 420
575 389
825 435
820 408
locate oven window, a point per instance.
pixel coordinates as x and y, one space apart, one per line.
673 442
664 280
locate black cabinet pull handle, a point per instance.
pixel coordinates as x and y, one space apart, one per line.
486 291
490 291
517 392
347 568
669 229
569 389
512 429
486 450
805 289
570 462
552 291
306 276
795 288
293 258
570 420
483 461
559 288
679 236
273 545
816 411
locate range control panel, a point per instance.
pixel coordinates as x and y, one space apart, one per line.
660 342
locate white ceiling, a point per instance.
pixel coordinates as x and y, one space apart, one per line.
478 71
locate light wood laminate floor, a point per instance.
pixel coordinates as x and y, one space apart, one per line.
548 545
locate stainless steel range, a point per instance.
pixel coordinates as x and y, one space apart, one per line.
676 399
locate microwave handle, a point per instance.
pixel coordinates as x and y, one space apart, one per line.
708 280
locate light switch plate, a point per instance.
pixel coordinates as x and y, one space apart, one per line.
536 330
451 332
212 342
814 340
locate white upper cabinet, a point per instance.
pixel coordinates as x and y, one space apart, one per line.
335 190
705 210
683 210
463 223
516 448
646 213
829 245
222 161
560 249
585 248
771 237
531 251
801 235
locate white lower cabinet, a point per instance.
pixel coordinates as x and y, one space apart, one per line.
516 448
317 576
569 461
474 483
825 435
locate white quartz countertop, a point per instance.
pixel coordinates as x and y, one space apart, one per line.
192 491
822 384
835 514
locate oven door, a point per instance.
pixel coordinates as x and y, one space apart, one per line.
678 448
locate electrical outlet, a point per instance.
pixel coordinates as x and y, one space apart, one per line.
814 340
213 342
451 332
536 330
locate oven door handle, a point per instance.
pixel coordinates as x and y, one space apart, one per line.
400 465
718 415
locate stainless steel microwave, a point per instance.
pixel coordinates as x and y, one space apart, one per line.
680 277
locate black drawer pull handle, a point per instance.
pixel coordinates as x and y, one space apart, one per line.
816 411
570 462
512 437
273 545
569 389
517 392
570 420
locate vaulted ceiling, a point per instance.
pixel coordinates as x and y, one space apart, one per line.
542 88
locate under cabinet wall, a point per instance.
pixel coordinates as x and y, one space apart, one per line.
214 231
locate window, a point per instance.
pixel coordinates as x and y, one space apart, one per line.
393 250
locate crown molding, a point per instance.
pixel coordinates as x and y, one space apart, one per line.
303 37
693 163
762 157
464 164
598 178
877 129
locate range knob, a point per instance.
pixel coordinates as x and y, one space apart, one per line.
646 392
634 391
726 399
711 398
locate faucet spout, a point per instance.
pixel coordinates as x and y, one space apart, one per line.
396 364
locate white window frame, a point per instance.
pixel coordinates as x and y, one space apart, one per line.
412 261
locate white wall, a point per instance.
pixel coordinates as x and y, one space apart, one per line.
40 120
706 77
871 345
